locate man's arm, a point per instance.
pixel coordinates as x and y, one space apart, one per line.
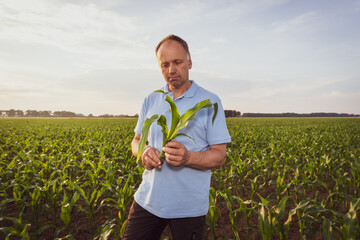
150 155
176 154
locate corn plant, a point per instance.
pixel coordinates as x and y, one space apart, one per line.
91 200
35 204
20 228
67 207
121 198
231 202
213 215
177 122
270 219
351 228
317 161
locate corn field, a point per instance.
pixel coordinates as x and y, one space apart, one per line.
285 178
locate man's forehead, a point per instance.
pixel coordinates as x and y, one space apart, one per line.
171 45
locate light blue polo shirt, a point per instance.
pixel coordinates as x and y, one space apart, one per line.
178 192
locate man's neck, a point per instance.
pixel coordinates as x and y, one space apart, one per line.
177 92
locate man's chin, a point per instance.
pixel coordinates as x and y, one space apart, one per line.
174 83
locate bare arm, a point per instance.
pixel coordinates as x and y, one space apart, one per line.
150 155
176 154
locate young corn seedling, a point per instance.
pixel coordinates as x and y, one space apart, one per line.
350 227
213 216
177 123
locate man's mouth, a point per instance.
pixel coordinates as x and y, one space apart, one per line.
173 78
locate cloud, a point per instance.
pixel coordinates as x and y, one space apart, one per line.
303 22
220 40
233 9
197 12
60 24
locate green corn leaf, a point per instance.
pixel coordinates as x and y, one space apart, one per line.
9 231
183 134
144 134
293 211
81 192
65 211
100 193
282 205
164 128
216 107
178 122
190 114
74 199
175 116
349 228
264 201
327 230
35 196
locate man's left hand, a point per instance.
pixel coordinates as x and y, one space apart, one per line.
176 153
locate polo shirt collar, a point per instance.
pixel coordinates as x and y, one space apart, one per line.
188 94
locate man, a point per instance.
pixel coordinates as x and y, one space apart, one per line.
175 192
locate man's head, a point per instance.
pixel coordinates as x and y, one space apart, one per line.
175 38
173 57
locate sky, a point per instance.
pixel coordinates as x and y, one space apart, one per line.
258 56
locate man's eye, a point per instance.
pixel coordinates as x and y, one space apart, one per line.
164 65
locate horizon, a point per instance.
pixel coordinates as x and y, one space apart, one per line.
97 57
51 113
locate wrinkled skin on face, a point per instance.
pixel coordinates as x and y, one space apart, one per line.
175 64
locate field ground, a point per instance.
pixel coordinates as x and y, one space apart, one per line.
285 178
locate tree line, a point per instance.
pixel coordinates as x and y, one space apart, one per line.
228 114
234 113
317 114
35 113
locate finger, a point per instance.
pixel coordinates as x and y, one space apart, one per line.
173 162
154 155
148 167
173 144
170 150
154 161
146 164
172 157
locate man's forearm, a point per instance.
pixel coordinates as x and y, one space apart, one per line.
213 158
135 146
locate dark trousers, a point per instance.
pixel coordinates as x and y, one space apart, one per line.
142 225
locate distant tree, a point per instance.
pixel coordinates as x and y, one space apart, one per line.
31 113
232 113
44 114
106 116
90 115
11 113
64 114
318 114
19 113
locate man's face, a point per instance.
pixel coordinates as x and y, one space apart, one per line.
174 64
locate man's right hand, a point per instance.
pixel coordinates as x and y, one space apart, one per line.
150 158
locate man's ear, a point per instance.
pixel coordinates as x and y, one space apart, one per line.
190 64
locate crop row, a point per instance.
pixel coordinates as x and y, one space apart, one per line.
283 179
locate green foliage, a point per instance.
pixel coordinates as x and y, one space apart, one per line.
177 122
58 174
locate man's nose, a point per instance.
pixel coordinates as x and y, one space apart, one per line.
172 68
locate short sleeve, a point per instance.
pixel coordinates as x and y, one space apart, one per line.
141 118
217 132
